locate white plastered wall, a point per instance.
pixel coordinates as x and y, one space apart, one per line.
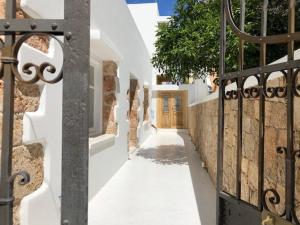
146 17
114 36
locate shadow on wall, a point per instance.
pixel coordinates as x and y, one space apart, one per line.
165 155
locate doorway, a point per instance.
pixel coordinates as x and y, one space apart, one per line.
171 109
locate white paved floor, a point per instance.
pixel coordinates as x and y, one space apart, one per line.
155 187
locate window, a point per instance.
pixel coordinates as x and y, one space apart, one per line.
177 103
95 98
165 104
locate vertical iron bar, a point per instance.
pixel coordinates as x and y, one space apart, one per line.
261 150
6 211
290 161
221 111
75 151
240 105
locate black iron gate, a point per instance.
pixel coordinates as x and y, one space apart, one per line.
76 32
232 210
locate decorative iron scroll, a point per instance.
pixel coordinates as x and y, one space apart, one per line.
250 92
25 179
274 200
254 91
36 72
232 94
296 87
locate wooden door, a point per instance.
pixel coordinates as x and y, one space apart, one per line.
177 114
171 109
165 110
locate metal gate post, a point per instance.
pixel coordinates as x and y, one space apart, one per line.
75 27
75 113
6 209
220 152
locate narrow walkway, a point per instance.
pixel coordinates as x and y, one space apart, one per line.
155 187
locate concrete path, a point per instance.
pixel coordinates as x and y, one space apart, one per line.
155 187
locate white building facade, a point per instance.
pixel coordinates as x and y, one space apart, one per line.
116 47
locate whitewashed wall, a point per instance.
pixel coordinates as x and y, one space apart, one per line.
146 17
114 36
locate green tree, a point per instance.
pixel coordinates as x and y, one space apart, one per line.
189 42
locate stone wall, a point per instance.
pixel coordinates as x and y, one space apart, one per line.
109 97
146 104
134 105
202 124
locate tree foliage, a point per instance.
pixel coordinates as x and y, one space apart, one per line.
189 42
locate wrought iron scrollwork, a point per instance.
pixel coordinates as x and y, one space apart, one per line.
251 92
34 71
296 86
272 92
281 150
232 94
255 90
274 199
24 179
296 154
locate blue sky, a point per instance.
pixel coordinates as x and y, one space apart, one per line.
165 6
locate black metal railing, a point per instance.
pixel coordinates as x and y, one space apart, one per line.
262 73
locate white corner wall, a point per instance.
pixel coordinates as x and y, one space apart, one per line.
146 18
114 36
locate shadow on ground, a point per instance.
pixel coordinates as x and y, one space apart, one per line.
165 155
204 189
205 192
